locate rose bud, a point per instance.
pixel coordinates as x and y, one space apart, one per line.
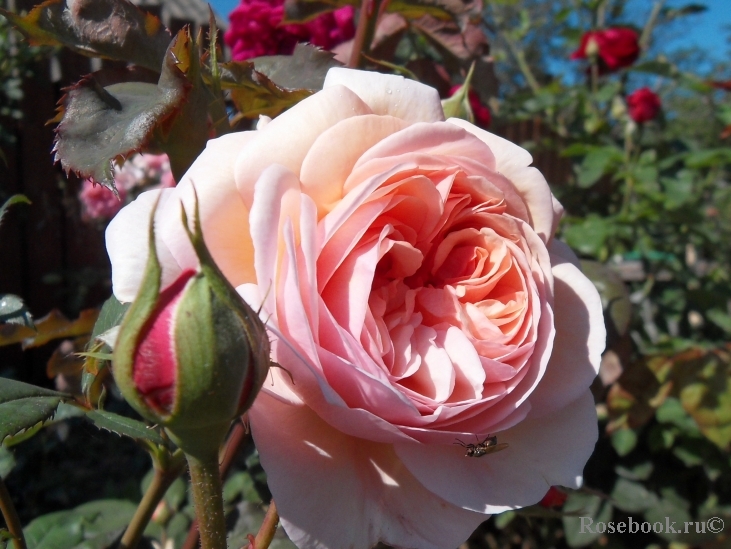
480 112
643 105
614 48
194 356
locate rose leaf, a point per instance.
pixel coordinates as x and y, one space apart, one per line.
270 84
100 123
113 29
23 406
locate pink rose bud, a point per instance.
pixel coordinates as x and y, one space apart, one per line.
615 48
643 105
194 356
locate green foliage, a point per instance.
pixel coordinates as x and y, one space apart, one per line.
23 406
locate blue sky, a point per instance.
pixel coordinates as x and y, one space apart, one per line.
705 30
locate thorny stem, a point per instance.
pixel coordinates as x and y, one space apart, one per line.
522 64
235 440
370 11
11 517
161 481
650 25
268 528
205 482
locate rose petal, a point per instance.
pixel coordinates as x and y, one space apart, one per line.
376 499
287 139
224 217
127 237
579 342
550 449
390 94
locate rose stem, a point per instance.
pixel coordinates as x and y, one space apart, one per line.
370 10
235 440
205 482
161 481
11 517
268 528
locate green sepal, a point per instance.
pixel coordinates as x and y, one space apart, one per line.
131 328
253 327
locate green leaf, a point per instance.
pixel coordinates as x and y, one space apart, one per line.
22 406
588 236
624 441
302 11
113 29
595 164
666 511
720 319
94 525
7 461
14 311
661 68
105 117
268 85
124 426
708 158
583 511
110 316
632 497
15 199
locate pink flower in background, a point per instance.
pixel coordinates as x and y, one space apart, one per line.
255 29
99 202
615 48
643 105
408 274
140 172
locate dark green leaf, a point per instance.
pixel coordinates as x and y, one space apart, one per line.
110 316
586 510
589 236
7 461
720 319
106 117
688 9
15 199
666 512
23 406
624 441
270 84
114 29
94 525
595 164
124 426
632 497
301 11
661 68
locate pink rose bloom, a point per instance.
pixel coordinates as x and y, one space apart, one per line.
255 29
412 287
643 105
98 202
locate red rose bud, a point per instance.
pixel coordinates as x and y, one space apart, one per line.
193 357
643 105
615 48
553 498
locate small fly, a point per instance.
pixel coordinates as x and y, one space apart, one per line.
487 446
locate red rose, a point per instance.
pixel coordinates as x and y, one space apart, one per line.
615 48
644 104
481 112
